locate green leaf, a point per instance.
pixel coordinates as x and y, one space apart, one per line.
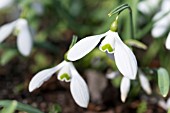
11 108
163 81
20 106
7 56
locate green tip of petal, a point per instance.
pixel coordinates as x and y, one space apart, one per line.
64 76
107 47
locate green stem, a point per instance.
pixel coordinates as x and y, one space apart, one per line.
119 10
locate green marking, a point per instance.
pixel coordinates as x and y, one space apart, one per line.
65 76
107 47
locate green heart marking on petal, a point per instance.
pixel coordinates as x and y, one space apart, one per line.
65 76
107 47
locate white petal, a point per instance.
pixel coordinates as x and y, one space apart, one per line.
143 7
5 4
125 59
109 42
161 27
43 76
24 40
65 71
165 5
168 103
124 88
6 30
144 83
168 42
83 47
162 104
79 89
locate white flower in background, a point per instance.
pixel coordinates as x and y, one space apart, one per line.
67 73
148 7
162 26
4 4
164 105
24 38
144 83
124 88
167 44
124 57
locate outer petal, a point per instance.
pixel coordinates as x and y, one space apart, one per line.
43 76
143 7
64 74
125 59
79 89
144 83
24 40
124 88
6 30
84 46
108 44
167 44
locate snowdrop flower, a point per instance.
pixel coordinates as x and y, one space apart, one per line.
67 73
124 57
148 7
6 4
144 83
162 26
24 38
164 105
124 88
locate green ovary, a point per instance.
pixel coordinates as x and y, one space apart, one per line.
107 47
66 76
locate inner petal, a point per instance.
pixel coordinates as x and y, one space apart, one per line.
65 77
107 47
108 43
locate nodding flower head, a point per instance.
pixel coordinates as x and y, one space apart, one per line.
124 57
24 37
67 73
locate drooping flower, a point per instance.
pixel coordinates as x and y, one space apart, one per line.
24 38
67 73
164 105
6 4
162 26
148 7
124 57
144 83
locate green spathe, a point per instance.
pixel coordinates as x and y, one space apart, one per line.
107 47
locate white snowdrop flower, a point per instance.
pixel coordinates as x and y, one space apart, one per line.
6 4
164 105
24 38
67 73
162 26
144 83
124 88
124 57
148 7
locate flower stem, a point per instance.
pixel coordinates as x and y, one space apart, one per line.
121 8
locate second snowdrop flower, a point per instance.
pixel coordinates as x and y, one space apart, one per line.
24 38
67 73
124 57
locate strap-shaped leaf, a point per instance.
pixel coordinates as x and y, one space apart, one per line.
163 81
10 108
20 106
